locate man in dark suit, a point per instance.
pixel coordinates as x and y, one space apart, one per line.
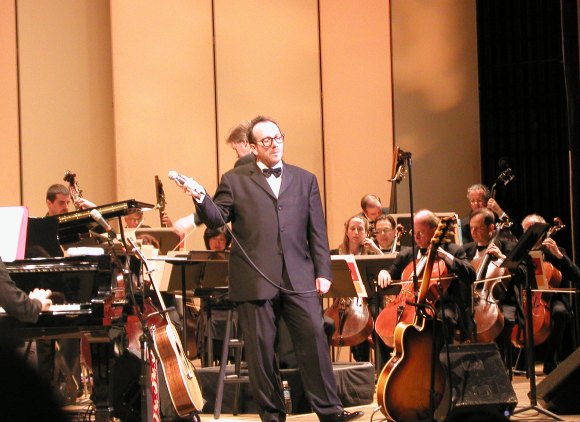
17 303
279 262
455 299
486 241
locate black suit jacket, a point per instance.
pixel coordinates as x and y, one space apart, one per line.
274 232
16 302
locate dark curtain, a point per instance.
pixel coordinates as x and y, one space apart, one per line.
528 88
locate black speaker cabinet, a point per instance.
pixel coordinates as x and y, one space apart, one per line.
479 383
559 392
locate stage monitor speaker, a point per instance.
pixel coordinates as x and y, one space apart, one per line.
559 392
479 382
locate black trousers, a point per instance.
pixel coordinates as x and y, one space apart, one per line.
303 317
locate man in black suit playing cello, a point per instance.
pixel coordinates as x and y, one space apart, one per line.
279 265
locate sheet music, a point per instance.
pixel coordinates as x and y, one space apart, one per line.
13 228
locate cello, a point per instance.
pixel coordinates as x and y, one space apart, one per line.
487 314
352 319
397 308
404 390
541 318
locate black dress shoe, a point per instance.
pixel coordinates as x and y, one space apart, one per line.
342 416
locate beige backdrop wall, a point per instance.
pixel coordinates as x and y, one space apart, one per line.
123 91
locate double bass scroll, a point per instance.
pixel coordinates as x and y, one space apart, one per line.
160 199
73 187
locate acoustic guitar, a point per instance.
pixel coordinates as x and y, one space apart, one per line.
181 378
404 385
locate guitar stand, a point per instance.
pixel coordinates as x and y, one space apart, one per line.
529 340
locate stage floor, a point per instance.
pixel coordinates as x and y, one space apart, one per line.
520 383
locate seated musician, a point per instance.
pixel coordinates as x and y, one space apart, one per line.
371 209
17 303
58 199
560 310
385 233
479 196
482 230
220 240
456 315
135 219
357 242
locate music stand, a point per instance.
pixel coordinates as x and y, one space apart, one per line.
167 238
199 269
369 267
518 256
346 278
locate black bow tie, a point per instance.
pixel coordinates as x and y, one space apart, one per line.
276 172
423 251
481 248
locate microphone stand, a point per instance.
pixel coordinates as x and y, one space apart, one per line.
146 344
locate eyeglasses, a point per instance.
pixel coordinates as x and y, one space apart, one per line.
383 231
268 141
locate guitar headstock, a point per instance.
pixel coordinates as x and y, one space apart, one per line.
444 229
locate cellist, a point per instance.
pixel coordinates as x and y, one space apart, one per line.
452 258
482 228
558 303
357 241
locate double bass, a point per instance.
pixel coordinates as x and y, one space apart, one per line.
73 187
405 390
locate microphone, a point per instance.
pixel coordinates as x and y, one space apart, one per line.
97 216
179 178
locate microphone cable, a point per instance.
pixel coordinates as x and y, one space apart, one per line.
235 239
250 261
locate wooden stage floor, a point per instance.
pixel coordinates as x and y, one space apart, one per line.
520 383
